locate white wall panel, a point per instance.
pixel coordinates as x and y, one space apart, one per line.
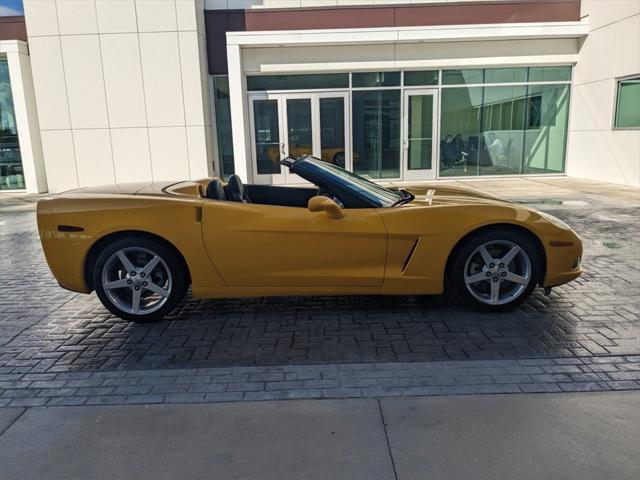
186 15
131 155
169 155
610 156
258 59
41 18
123 80
49 82
77 17
192 86
156 15
606 12
116 16
59 160
199 152
612 51
592 105
85 83
162 79
93 156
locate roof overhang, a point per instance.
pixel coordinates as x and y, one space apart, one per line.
430 34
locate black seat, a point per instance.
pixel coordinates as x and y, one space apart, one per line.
215 190
236 191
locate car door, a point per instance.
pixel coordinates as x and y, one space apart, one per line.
256 245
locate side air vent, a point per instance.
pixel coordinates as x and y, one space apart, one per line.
70 228
413 249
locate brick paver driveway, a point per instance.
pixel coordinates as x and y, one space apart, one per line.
58 347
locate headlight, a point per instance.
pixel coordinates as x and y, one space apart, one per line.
556 221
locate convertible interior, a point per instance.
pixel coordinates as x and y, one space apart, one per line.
346 189
236 191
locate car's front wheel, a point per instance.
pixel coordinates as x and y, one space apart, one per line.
495 270
139 279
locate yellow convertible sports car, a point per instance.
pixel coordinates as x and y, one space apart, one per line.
140 246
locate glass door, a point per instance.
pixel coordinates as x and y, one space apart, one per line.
333 137
419 134
294 124
267 139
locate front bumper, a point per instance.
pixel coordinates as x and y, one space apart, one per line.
563 262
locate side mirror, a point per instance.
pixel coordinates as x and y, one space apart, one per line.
325 204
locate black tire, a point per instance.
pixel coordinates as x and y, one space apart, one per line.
338 159
139 246
466 262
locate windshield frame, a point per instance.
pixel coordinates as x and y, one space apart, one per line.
375 195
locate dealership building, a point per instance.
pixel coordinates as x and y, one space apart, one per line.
109 91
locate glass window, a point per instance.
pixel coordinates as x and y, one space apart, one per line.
11 174
376 133
460 127
550 74
222 111
420 131
375 79
428 77
299 133
505 75
628 104
503 130
546 128
267 136
332 141
297 82
462 77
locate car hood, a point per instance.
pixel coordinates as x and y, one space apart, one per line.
448 194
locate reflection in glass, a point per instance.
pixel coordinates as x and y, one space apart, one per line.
546 129
376 133
267 136
420 131
375 79
299 134
503 130
297 82
460 131
505 75
503 117
222 109
425 77
332 141
550 74
11 174
468 76
628 104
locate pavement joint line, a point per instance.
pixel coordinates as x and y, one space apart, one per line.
386 436
13 421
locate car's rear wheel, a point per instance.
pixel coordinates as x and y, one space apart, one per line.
495 270
139 279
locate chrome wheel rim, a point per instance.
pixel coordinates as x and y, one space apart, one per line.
497 272
136 280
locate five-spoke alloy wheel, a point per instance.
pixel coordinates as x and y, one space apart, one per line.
139 278
496 269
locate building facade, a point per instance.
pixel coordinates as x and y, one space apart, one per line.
411 90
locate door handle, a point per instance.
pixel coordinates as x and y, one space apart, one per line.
282 148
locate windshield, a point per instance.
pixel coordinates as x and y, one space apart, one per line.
377 193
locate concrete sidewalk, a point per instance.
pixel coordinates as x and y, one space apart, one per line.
568 436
